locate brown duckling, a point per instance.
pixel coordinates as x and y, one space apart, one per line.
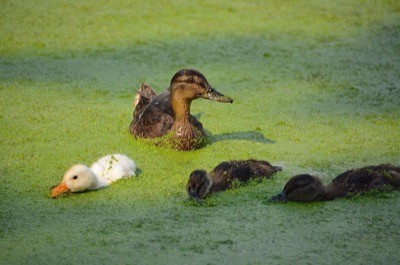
305 188
169 112
221 177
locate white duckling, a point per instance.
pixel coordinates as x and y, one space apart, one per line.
101 174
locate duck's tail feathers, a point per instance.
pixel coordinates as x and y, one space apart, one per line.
142 98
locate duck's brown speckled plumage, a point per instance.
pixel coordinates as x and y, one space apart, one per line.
221 177
155 116
304 188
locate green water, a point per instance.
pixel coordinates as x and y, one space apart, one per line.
316 90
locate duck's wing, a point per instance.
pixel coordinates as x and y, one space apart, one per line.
394 175
219 182
261 168
220 177
351 181
343 184
243 170
226 172
155 120
142 98
362 179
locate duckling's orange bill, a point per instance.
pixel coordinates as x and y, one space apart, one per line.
59 189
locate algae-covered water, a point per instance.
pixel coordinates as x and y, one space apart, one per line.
316 90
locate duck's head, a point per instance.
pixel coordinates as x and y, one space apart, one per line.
190 84
199 184
77 178
301 188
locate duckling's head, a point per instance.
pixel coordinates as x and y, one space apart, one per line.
199 184
301 188
190 84
77 178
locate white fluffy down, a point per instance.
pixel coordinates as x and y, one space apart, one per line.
114 167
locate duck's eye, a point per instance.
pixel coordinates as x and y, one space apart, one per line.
75 177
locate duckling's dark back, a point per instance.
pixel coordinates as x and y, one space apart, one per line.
242 170
365 178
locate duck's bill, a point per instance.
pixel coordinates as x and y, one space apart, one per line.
59 189
281 197
214 95
195 198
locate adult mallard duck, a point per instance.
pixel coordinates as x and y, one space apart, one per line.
304 188
168 114
102 173
221 177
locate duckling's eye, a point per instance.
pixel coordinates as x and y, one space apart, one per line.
75 177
